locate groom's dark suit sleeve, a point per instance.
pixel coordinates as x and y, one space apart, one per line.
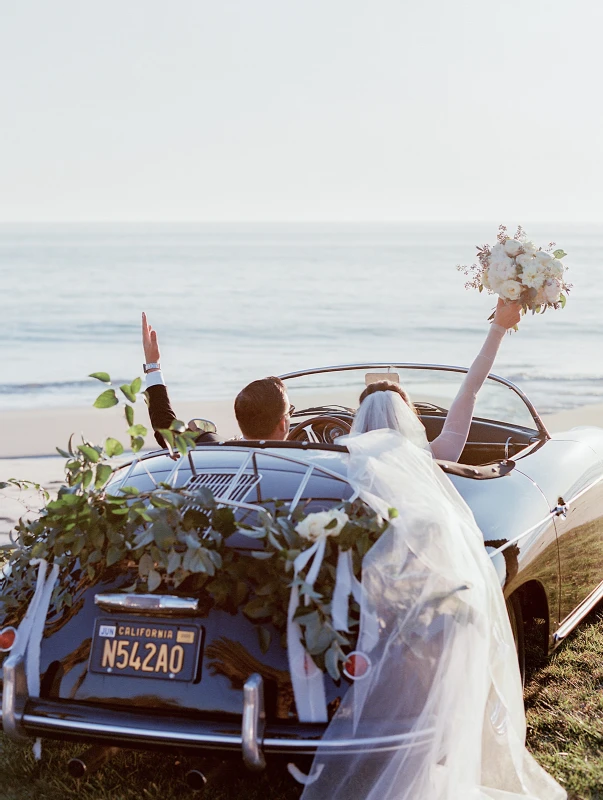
162 415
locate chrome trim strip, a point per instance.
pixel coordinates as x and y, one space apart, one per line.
570 622
436 367
554 513
14 696
504 546
226 740
253 724
153 604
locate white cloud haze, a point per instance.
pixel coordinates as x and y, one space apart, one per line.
314 110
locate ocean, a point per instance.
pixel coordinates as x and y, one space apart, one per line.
234 302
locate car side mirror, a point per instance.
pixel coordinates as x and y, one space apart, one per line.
202 425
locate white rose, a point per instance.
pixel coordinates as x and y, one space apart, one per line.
497 251
552 290
533 277
525 262
543 258
315 525
556 268
510 289
512 247
502 266
529 248
486 280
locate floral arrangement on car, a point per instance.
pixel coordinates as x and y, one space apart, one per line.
517 270
174 539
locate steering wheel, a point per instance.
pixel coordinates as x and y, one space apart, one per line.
323 429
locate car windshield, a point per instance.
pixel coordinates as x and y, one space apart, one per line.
432 390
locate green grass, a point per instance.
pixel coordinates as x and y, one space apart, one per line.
564 709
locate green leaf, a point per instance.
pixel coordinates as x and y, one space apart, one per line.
392 513
167 435
264 638
129 490
258 608
90 453
137 430
106 399
113 447
174 562
136 443
154 580
135 386
100 376
563 300
63 453
128 393
145 565
86 478
163 534
559 253
332 661
181 444
178 426
129 412
114 554
332 524
103 473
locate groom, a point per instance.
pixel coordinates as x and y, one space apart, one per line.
262 408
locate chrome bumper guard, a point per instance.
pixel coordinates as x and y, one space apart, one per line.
14 696
254 723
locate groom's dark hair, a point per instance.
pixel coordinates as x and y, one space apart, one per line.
260 406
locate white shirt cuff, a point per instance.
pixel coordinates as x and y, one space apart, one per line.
155 378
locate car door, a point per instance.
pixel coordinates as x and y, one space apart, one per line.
570 475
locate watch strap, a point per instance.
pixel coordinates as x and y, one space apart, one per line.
151 365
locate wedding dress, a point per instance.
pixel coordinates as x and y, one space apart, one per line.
435 632
382 409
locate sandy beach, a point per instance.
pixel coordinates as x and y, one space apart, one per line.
28 441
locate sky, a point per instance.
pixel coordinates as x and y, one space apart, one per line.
306 110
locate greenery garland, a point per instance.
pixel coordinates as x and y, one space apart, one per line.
175 539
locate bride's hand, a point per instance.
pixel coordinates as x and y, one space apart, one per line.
507 314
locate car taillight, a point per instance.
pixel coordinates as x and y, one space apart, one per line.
7 638
357 665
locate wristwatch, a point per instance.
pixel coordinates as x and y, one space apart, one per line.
151 365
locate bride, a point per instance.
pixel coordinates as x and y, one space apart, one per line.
381 403
433 628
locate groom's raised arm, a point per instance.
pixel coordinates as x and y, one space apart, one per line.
161 412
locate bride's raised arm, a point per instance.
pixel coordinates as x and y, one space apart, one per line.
449 445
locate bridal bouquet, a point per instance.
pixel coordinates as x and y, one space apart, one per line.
516 269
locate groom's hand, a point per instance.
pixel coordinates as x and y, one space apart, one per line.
507 314
149 342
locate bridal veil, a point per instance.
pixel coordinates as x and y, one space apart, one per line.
434 629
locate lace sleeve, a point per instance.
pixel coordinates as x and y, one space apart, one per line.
449 445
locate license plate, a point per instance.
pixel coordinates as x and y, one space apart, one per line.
146 648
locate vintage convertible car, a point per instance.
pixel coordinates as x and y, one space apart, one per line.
537 498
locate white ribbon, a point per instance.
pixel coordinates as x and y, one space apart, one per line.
29 633
307 679
301 777
346 584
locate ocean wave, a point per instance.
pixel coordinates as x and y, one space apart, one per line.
52 386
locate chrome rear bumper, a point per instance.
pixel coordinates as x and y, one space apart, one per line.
24 717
